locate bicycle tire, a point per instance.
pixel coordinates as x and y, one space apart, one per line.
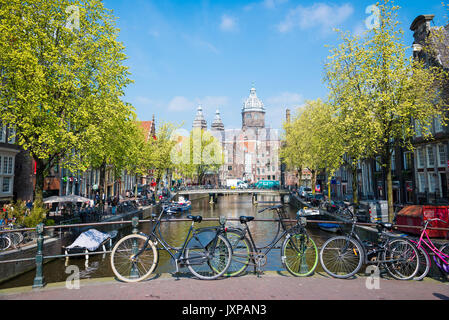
16 238
5 243
242 250
445 250
406 252
209 269
304 262
332 260
121 262
425 263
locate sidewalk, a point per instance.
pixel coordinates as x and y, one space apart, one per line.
270 286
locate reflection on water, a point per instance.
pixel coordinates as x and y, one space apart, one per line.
174 233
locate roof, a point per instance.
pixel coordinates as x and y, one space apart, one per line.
148 128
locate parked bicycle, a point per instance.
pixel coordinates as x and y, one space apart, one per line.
299 254
206 252
343 256
440 256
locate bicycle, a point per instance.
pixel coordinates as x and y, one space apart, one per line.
5 242
299 253
440 257
343 256
206 252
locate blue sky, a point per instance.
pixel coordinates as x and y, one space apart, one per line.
185 53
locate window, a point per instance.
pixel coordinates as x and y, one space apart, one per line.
407 160
418 129
377 164
7 165
2 132
430 157
438 124
432 182
229 168
6 185
421 161
12 135
441 152
421 182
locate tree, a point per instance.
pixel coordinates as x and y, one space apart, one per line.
313 141
396 92
62 76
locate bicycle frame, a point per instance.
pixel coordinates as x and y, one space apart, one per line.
432 247
177 256
275 240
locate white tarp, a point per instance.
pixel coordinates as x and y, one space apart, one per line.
90 240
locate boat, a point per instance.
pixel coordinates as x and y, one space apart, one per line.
330 227
175 207
309 212
91 241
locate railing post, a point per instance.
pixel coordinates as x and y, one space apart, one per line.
39 281
134 271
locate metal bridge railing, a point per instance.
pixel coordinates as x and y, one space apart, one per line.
40 230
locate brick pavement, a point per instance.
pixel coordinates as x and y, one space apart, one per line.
270 286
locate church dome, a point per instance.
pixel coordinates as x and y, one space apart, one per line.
253 103
217 124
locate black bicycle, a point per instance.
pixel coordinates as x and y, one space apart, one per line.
343 256
206 252
299 254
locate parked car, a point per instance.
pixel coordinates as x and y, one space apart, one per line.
303 191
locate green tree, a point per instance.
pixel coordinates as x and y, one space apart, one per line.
62 76
312 140
396 92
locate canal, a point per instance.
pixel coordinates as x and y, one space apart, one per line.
232 206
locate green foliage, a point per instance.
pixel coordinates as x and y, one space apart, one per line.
61 87
37 215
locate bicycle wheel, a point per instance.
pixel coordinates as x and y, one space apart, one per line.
299 255
445 266
404 258
211 262
127 269
16 238
341 257
424 263
242 250
5 243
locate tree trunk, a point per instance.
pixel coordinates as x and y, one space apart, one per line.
389 189
40 178
313 181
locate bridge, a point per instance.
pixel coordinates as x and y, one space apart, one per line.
213 193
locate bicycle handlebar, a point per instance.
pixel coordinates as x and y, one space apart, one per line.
271 208
434 219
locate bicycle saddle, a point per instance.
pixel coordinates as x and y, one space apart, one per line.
195 218
244 219
385 225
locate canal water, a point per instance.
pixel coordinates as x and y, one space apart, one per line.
174 233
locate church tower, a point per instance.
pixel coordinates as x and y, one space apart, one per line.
253 112
199 121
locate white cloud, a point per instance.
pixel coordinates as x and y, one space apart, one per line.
319 15
271 4
180 104
202 44
210 103
228 23
286 99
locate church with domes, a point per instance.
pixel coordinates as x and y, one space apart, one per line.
251 153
